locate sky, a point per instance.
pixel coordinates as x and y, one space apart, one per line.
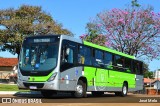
74 14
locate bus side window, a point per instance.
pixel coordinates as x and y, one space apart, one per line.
87 56
84 55
108 60
98 60
119 63
69 55
81 58
141 68
133 67
136 67
128 65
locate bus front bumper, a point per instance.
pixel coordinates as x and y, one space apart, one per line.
37 85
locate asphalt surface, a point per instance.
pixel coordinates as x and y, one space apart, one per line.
67 98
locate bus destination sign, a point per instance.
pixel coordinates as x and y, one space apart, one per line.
41 40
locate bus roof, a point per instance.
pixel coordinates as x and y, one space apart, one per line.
39 36
87 43
107 49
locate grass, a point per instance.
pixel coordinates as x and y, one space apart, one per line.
8 87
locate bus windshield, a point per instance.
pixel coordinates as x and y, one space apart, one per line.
39 56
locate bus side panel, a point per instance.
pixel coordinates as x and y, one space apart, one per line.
112 78
68 78
131 81
139 82
107 80
96 78
116 79
101 78
89 73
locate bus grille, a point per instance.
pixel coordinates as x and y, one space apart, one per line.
38 85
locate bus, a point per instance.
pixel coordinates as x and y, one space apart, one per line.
60 63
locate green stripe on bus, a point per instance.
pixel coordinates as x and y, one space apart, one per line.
40 78
107 49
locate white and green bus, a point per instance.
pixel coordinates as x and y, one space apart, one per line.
60 63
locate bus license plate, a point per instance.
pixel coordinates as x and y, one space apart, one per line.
32 87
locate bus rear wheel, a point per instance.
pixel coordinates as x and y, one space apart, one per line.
48 93
124 90
80 90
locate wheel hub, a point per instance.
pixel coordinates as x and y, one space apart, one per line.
79 89
124 90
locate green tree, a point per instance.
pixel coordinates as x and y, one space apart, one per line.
25 21
135 3
145 70
145 67
148 74
93 35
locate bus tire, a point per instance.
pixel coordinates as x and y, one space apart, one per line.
124 90
97 93
47 93
80 90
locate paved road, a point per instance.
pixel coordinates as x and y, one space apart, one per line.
106 98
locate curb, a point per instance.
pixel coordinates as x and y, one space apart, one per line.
7 92
18 93
23 93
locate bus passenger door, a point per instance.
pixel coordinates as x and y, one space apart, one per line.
100 73
100 79
67 68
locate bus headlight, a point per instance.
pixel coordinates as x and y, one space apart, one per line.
52 77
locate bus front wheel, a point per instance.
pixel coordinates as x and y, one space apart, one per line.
80 90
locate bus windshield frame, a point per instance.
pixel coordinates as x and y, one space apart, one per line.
39 55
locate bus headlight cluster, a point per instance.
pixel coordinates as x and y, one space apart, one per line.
52 77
